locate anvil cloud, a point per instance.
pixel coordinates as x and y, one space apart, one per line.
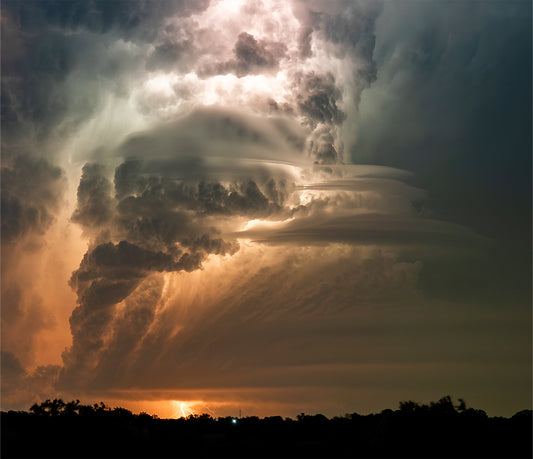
269 205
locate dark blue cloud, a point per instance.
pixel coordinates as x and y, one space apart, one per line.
452 103
99 16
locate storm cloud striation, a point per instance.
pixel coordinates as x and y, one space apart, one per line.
245 204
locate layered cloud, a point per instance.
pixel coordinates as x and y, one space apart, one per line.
200 151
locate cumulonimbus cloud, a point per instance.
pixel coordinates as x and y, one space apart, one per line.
201 151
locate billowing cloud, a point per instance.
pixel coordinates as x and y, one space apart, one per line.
225 190
20 388
95 206
317 99
251 57
32 192
29 209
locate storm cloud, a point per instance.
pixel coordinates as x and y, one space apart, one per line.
252 56
318 205
27 210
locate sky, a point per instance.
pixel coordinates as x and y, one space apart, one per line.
266 206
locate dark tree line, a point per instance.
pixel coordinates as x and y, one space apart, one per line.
439 429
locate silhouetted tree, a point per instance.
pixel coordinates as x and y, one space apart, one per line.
49 408
462 405
437 429
409 407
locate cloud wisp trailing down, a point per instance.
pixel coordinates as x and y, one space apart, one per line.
186 213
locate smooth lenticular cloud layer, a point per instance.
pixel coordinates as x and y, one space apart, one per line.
183 227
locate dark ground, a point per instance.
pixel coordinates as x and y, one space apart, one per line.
440 429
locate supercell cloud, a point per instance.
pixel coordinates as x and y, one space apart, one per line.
245 204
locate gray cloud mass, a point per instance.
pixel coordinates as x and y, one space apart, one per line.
29 209
298 204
